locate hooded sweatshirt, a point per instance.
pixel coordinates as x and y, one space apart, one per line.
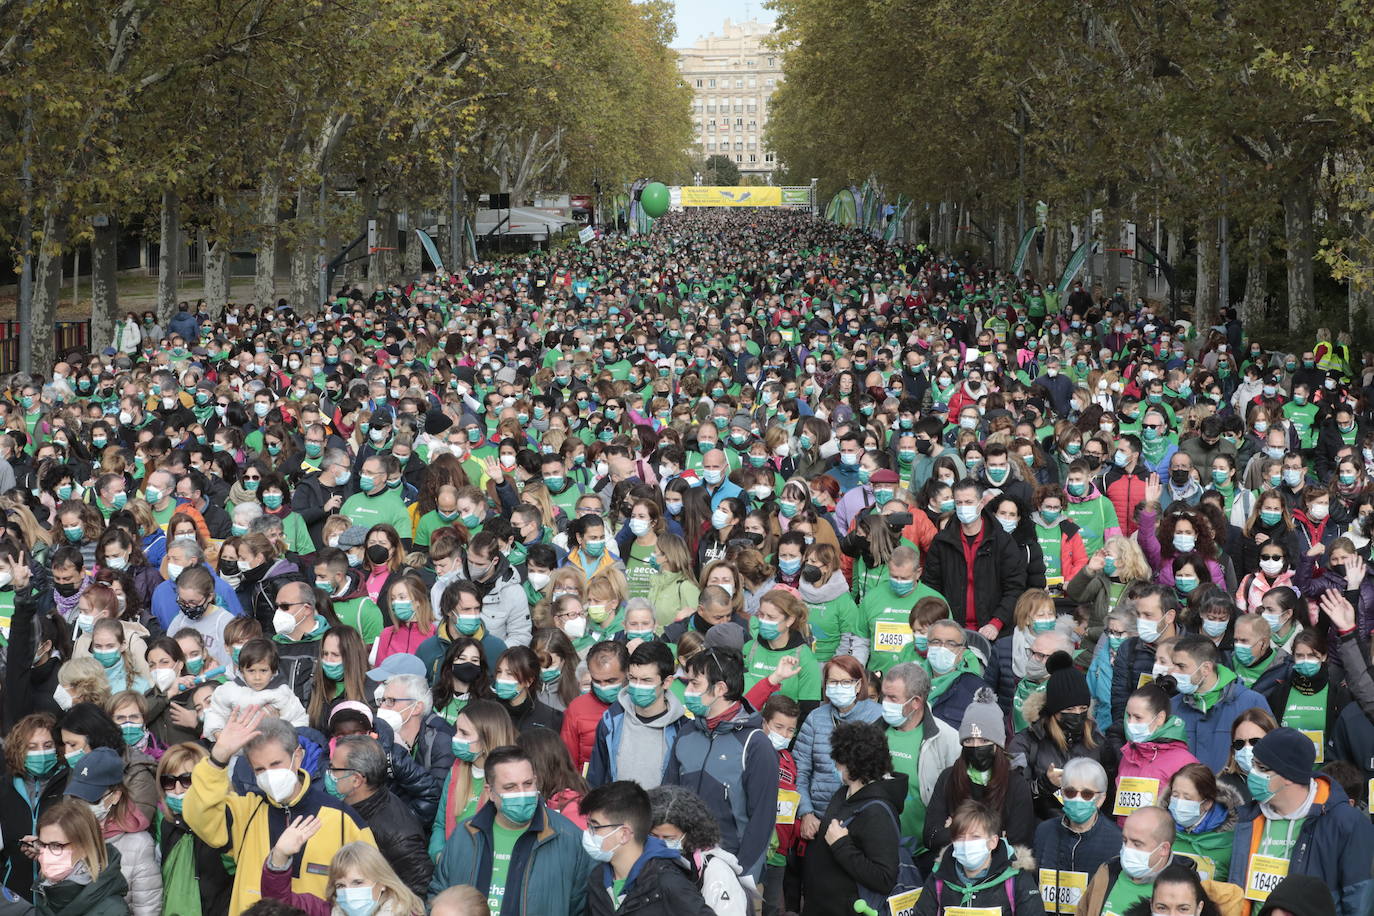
629 747
1157 758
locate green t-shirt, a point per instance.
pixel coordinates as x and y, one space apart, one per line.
1051 545
429 523
1307 713
363 615
387 508
760 661
163 516
828 622
1125 894
885 614
1304 418
640 569
1094 517
503 844
905 748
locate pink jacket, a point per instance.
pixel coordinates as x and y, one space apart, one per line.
399 640
1153 760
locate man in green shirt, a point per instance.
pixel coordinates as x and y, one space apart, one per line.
1147 846
883 622
523 856
921 745
375 503
348 589
159 494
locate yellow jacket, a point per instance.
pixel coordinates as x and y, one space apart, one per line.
250 824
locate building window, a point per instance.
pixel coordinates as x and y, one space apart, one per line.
739 84
739 122
768 157
739 145
712 83
753 125
770 62
753 82
711 145
699 84
751 62
753 158
739 157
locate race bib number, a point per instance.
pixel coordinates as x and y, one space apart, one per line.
903 904
890 636
1206 868
1263 875
1061 890
973 911
1318 738
1135 792
788 802
1144 679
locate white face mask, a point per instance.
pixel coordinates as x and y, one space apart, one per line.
164 678
278 784
575 628
62 697
283 623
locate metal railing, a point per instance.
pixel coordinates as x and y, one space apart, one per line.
68 337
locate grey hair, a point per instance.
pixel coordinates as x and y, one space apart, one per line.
264 524
1084 771
1124 614
635 604
416 687
190 547
914 679
307 593
364 755
275 731
333 457
685 811
246 513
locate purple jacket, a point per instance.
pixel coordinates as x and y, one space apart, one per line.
1311 583
1148 539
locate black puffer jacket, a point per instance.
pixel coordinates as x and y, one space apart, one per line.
1134 658
1034 753
660 885
1008 874
866 858
999 567
399 837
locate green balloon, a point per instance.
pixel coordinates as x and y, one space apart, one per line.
655 199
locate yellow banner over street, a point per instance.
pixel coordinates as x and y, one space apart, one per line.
693 196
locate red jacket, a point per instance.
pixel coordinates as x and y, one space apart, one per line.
579 727
1126 491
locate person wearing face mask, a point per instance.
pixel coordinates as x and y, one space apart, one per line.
98 781
982 774
1258 663
857 852
921 744
1147 840
1306 821
77 871
981 871
193 874
362 880
1310 699
635 735
1212 697
686 825
1059 729
524 857
976 566
1156 748
1071 847
1205 812
35 775
633 870
274 753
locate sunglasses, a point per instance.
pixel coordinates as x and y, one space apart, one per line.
169 783
1244 742
1085 794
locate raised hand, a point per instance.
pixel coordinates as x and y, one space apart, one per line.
241 728
1355 569
1153 489
1337 608
295 836
788 666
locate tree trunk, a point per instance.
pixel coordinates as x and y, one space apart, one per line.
304 279
1205 293
104 287
169 256
265 270
1254 305
1049 259
414 260
215 274
47 290
1299 245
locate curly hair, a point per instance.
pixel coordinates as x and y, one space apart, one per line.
688 813
861 748
1204 544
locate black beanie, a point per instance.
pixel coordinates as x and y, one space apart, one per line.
1067 686
1301 895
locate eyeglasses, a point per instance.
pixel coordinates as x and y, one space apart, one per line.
1085 794
1240 743
1271 556
55 848
946 644
393 702
287 606
595 827
169 782
841 683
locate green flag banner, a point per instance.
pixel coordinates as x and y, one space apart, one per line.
1023 249
1076 262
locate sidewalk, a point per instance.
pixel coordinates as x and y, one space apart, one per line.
136 292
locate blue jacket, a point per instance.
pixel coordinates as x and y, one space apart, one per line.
817 779
1100 684
165 600
1058 847
1209 733
734 770
185 324
950 705
601 769
1335 844
547 874
726 490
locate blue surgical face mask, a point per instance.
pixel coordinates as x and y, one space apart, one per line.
1183 543
1214 628
841 695
1136 732
942 659
1185 811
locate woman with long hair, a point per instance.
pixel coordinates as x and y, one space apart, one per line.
480 727
35 773
189 864
405 603
341 675
515 686
462 677
557 667
360 878
98 781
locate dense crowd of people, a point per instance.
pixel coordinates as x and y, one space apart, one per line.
752 565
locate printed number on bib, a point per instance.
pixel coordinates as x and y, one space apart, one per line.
1318 738
903 904
788 801
1263 875
1061 890
1135 792
890 636
973 911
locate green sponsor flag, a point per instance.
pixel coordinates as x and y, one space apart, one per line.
1023 249
1076 262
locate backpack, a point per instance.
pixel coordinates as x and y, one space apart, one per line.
908 875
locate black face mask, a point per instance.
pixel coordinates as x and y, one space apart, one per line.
811 573
467 672
1179 477
377 554
980 758
1071 723
228 567
1094 461
923 446
66 590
